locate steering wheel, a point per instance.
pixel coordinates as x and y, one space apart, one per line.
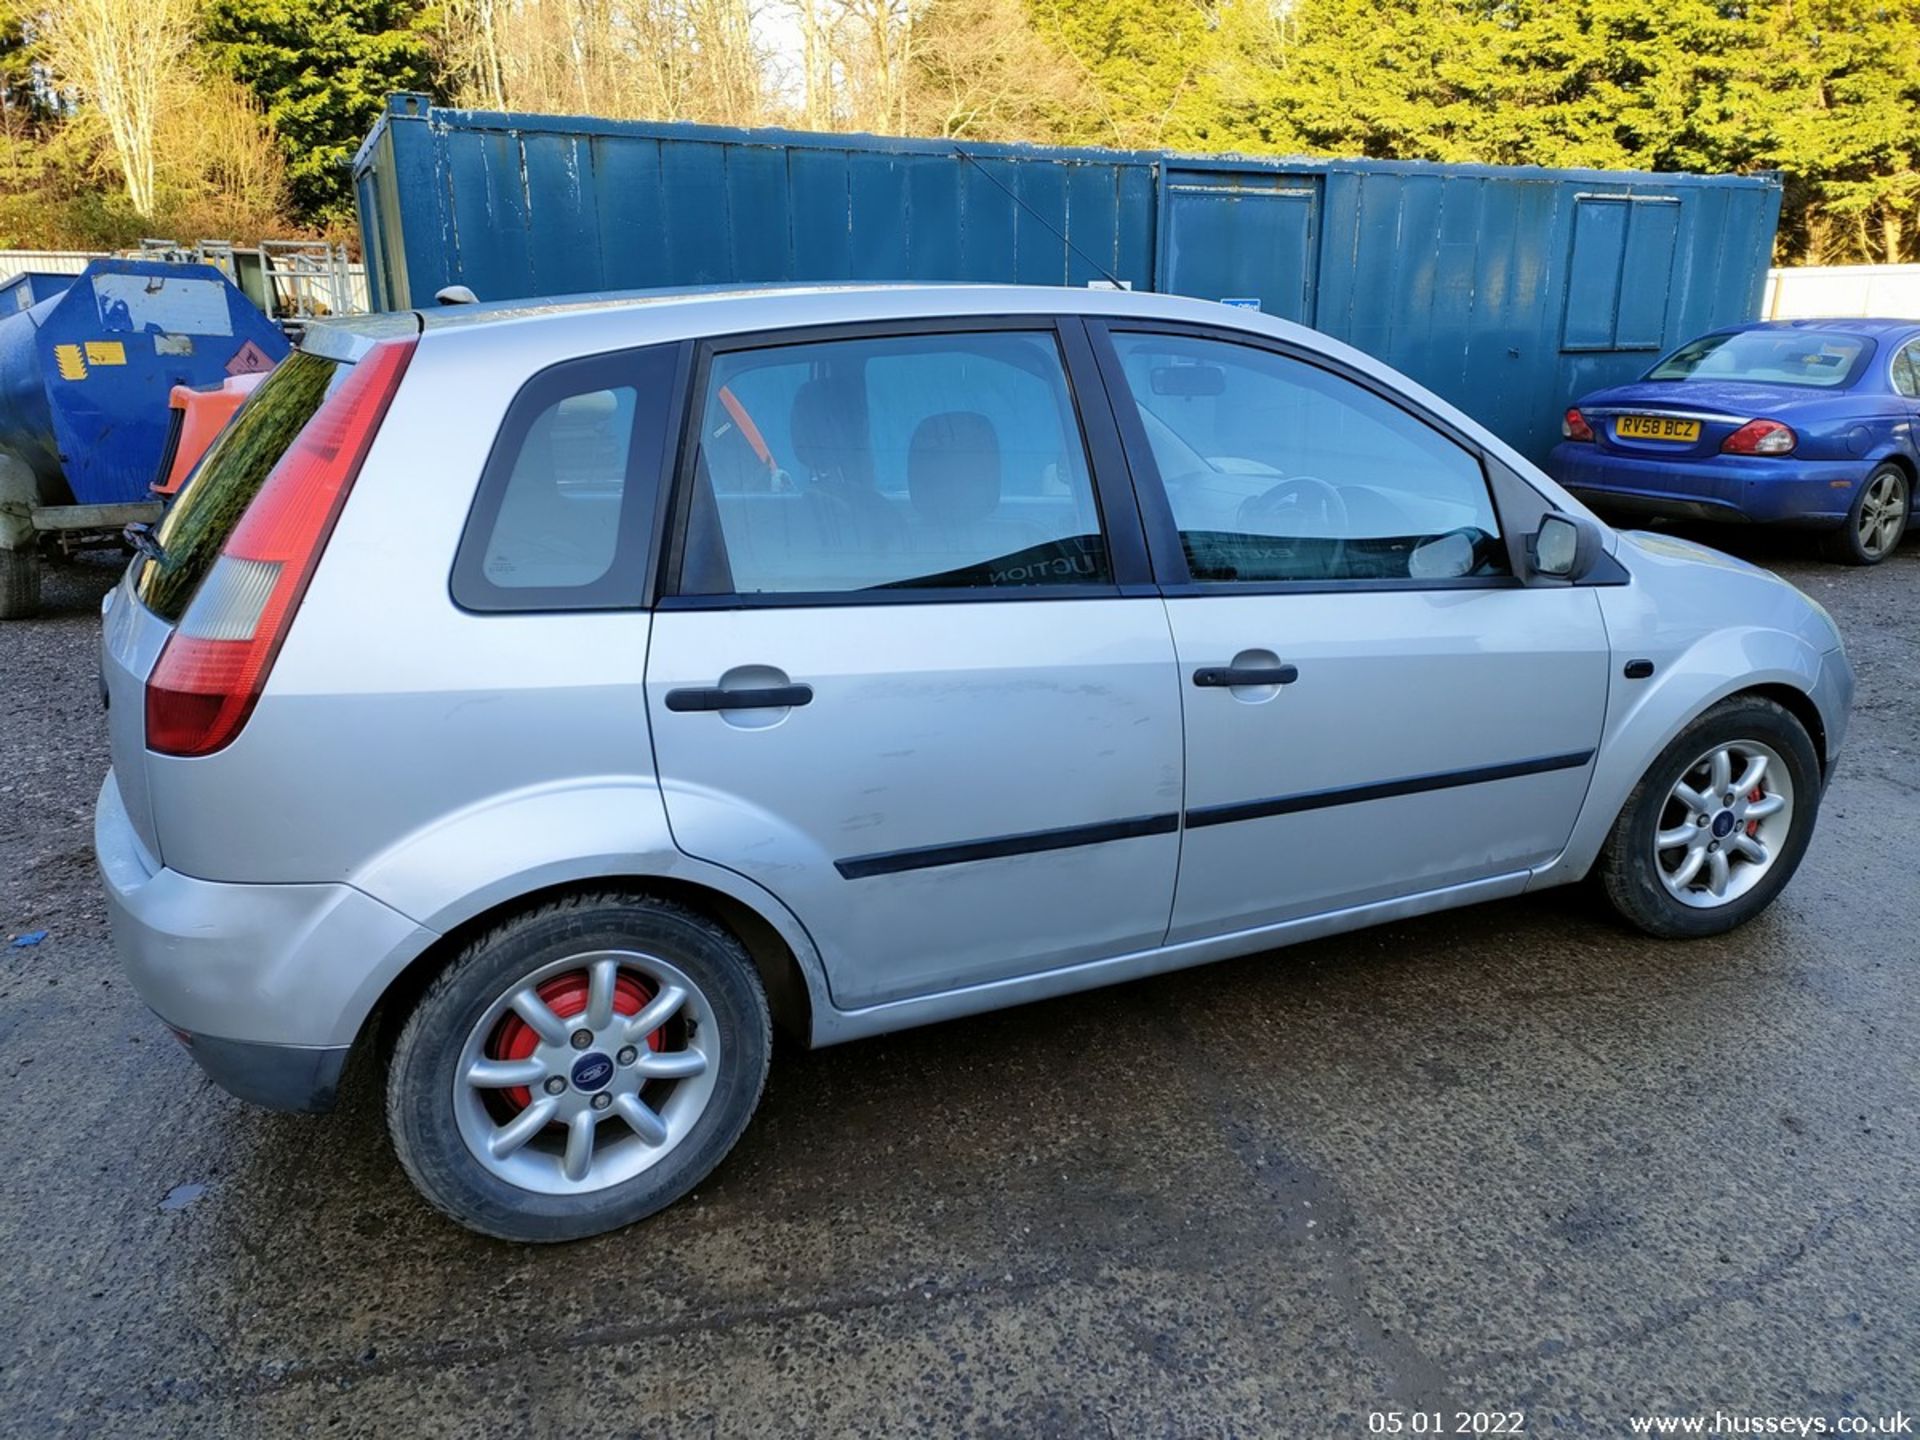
1306 500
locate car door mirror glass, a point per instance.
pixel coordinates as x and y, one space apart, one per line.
1444 557
1564 548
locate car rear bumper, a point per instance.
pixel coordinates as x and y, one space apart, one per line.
301 1078
266 984
1736 488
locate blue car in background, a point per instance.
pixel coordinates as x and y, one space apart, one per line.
1803 422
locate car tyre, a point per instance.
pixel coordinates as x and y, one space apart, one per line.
19 583
1877 522
433 1114
1640 879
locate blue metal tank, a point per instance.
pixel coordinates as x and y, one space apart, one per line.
85 372
30 287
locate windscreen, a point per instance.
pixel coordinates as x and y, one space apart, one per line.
235 467
1817 358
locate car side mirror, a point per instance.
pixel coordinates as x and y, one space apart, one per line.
1564 548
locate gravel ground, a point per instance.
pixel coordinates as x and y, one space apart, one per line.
1510 1158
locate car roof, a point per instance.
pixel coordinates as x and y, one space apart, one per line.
1840 324
899 297
732 307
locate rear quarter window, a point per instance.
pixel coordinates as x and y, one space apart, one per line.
563 517
235 467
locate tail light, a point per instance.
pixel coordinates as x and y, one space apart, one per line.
1575 427
1760 437
214 666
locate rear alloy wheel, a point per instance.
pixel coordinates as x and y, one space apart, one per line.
579 1068
1877 522
1717 825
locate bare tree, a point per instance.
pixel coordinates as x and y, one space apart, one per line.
816 60
981 70
871 42
124 56
630 59
220 170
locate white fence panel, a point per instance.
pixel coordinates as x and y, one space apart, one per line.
329 289
1811 291
52 262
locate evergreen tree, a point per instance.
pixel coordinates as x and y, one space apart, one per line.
323 69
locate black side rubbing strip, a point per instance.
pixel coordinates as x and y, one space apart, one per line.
1380 790
892 862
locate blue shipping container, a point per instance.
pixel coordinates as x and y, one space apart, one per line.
1508 290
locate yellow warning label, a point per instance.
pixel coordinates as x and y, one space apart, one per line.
67 357
106 352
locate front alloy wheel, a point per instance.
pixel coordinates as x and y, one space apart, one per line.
1724 822
1717 824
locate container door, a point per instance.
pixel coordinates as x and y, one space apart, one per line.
1244 238
899 685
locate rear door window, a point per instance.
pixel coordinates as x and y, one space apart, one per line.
923 462
236 466
564 513
1906 371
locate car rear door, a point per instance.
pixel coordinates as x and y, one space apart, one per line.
1375 706
906 673
1905 373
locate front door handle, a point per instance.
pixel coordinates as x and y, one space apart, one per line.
1234 676
765 697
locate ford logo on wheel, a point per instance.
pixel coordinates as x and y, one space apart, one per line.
590 1072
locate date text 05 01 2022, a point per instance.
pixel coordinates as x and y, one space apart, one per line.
1444 1422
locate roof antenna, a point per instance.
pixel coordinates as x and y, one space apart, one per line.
455 295
1107 274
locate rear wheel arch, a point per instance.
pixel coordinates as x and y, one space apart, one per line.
781 973
1901 459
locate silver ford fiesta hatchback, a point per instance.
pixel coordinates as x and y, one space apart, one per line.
584 687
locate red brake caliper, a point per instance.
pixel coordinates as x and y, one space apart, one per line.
1753 826
566 996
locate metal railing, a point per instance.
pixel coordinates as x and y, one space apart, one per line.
297 279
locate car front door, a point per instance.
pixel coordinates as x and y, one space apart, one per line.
896 679
1375 705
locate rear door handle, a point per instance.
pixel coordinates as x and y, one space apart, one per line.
713 697
1234 676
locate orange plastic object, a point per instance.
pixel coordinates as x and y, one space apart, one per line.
203 414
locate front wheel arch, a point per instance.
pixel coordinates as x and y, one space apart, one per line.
1800 705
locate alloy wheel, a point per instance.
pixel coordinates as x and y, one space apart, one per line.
1724 822
588 1071
1883 514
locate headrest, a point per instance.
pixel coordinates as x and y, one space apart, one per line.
953 467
